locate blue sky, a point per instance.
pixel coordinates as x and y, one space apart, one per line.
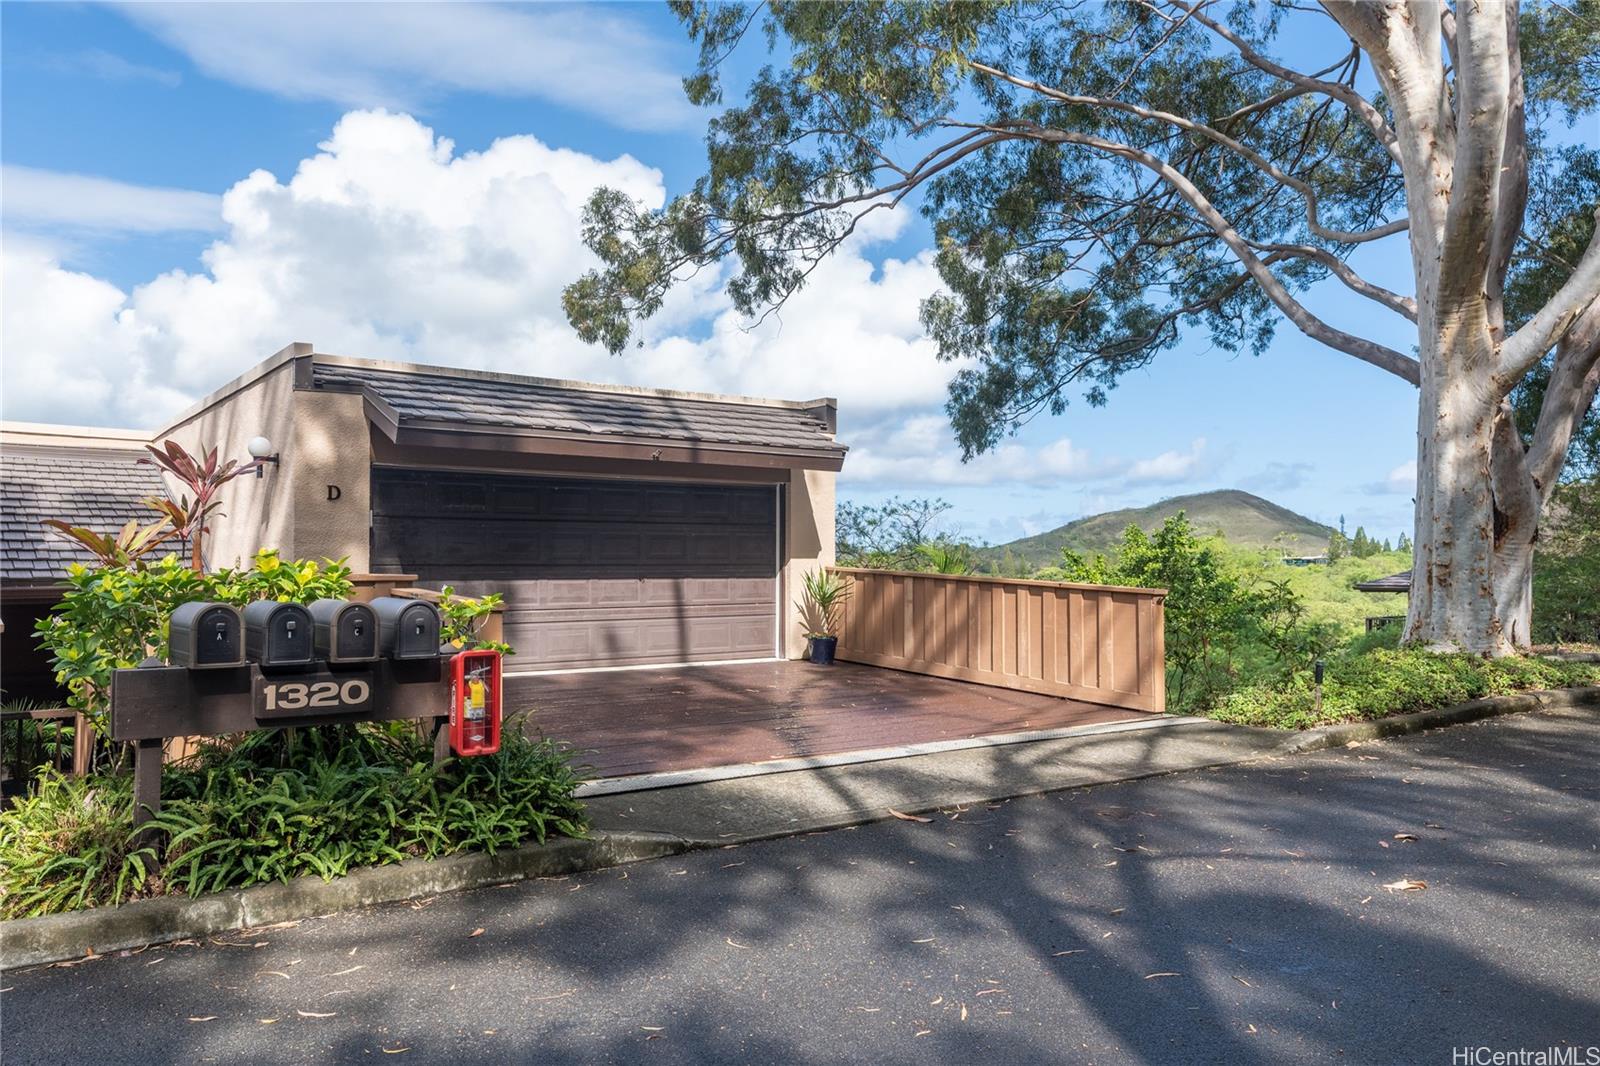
186 189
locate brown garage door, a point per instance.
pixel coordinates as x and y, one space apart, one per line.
595 572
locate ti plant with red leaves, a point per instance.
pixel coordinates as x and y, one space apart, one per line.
204 477
120 548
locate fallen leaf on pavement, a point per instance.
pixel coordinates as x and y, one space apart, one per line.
652 1028
317 1014
1406 884
731 944
1164 973
923 1032
268 1021
272 973
929 940
963 1012
204 1018
341 973
904 817
475 932
394 1050
1074 951
1405 836
1242 981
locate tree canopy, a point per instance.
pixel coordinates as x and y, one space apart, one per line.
1098 177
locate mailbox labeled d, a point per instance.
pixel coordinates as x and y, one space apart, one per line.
475 702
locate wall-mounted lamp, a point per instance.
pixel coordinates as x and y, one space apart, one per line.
260 449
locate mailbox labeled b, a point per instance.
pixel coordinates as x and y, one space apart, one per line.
278 634
475 702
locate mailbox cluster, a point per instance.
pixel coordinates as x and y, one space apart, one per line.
277 635
324 658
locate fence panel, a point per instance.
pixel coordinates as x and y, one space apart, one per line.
1097 643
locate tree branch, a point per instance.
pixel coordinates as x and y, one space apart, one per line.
1378 355
1513 201
1261 163
1574 380
1402 305
1529 344
1482 92
1369 115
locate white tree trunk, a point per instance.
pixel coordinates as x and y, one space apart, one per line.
1453 605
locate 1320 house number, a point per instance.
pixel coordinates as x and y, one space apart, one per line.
278 697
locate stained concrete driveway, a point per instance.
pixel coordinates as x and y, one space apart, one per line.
1250 914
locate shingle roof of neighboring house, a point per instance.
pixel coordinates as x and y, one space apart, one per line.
512 403
1400 582
100 490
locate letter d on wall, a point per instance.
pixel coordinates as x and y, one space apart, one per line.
333 492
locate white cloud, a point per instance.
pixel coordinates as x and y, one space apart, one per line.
1402 480
403 55
1280 477
108 66
1172 467
389 244
33 197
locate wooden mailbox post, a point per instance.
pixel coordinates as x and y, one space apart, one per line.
152 703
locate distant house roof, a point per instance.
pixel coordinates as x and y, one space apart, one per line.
100 489
419 396
1400 582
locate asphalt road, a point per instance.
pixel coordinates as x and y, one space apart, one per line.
1236 916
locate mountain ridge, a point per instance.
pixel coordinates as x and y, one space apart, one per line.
1241 517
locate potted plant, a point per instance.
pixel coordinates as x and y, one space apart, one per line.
821 609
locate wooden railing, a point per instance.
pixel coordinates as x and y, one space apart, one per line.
1096 643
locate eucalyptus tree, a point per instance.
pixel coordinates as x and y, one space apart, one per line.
1103 178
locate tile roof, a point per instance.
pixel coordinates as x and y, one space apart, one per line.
513 403
1400 582
100 490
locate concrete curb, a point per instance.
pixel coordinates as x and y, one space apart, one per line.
1336 736
55 937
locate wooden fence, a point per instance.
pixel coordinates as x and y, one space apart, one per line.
1087 642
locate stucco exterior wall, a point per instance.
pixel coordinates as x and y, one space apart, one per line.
330 455
808 539
256 512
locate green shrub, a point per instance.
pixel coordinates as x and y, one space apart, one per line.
1228 619
1380 681
115 615
275 806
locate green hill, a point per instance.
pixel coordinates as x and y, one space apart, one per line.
1242 518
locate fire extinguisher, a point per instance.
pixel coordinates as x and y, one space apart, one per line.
475 702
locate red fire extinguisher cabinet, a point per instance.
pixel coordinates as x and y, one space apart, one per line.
475 702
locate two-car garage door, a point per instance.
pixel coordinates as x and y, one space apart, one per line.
595 572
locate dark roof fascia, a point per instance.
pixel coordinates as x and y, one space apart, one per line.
421 433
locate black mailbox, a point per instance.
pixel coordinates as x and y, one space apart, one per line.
345 632
278 634
407 629
204 635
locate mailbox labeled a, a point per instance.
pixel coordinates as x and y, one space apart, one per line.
205 636
278 634
407 629
475 703
345 632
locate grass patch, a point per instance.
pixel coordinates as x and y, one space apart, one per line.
1370 680
275 806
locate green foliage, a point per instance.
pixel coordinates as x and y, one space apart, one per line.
1373 681
1566 568
279 805
464 618
69 845
821 604
888 536
947 557
115 616
1224 621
